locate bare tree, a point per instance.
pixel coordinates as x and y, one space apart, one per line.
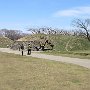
49 31
43 30
12 34
83 25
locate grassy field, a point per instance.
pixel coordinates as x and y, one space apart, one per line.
27 73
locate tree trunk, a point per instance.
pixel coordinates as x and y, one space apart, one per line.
88 36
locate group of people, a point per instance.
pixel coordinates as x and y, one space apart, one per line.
28 48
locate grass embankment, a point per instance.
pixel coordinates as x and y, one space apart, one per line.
62 42
4 41
27 73
70 43
70 46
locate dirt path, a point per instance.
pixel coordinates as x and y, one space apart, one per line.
67 45
81 62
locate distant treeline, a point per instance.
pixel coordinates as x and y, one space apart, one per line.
12 34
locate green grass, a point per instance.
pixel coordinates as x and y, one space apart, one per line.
70 43
27 73
75 54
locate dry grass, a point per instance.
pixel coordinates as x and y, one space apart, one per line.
4 41
27 73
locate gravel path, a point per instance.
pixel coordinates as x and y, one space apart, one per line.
77 61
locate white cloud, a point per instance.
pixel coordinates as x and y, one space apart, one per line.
77 11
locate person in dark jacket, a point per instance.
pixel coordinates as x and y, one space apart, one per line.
29 49
22 48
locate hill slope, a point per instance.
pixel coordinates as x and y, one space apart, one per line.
4 41
62 42
70 43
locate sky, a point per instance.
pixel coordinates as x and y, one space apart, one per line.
25 14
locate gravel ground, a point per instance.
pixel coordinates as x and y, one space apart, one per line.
77 61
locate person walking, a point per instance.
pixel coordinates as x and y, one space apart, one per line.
22 48
29 49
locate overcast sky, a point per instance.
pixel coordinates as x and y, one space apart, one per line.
23 14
